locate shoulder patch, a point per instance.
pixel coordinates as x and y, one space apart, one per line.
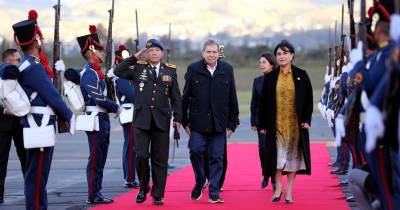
141 62
170 65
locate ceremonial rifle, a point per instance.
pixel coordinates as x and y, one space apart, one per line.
137 32
169 43
350 4
62 124
109 58
352 118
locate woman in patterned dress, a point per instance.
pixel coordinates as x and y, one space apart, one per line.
285 113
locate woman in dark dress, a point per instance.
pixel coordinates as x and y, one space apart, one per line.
285 115
267 63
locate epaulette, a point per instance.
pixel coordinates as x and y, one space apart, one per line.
170 65
141 62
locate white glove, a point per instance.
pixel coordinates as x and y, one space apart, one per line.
356 54
349 67
321 107
323 112
59 65
118 112
330 114
394 26
374 127
110 73
340 131
72 125
327 78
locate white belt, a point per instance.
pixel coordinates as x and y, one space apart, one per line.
127 105
362 117
95 109
42 110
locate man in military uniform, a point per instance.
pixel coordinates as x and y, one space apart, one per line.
157 97
93 89
10 127
126 97
35 79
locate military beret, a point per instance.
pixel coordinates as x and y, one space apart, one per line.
154 43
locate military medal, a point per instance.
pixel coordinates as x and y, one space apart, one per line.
141 85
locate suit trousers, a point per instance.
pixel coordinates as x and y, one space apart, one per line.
152 144
5 144
214 143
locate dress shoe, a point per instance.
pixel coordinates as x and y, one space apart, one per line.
141 196
344 182
99 200
333 164
276 199
264 183
339 171
287 201
134 184
350 199
158 201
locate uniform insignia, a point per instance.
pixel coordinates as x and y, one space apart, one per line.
298 78
141 62
358 78
166 78
170 65
141 85
37 60
140 89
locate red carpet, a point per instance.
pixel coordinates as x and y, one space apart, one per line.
242 186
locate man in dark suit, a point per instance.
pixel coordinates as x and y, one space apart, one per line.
157 97
211 111
10 129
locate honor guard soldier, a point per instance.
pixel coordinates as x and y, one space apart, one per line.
157 97
35 79
126 97
97 107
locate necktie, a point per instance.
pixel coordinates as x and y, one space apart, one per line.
153 71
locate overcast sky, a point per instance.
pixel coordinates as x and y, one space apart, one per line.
190 19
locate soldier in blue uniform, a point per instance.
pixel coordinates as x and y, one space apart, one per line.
46 103
157 96
10 127
376 157
93 89
126 97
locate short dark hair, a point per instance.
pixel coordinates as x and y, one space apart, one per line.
7 53
285 46
270 58
210 42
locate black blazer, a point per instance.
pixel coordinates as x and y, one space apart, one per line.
255 100
304 109
209 103
154 99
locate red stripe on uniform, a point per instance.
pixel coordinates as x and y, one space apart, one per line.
130 154
355 154
38 180
344 156
383 175
92 165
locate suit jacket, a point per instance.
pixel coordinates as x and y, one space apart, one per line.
209 102
157 99
255 100
304 109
